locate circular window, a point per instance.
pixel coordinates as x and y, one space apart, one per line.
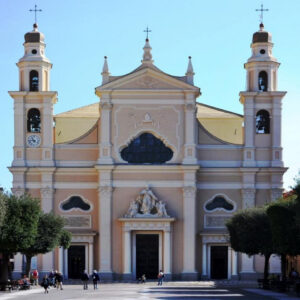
34 51
262 51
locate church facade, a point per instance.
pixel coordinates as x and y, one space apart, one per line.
147 177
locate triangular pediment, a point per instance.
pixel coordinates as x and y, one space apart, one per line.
147 79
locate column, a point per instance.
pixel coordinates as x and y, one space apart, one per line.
167 252
127 273
234 264
247 264
105 195
190 130
66 268
189 233
91 258
19 130
275 264
47 133
276 133
105 129
204 260
249 155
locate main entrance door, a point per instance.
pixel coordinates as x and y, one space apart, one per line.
76 261
219 262
147 255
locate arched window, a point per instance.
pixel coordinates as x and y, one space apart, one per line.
34 81
262 121
33 120
146 149
263 81
75 202
219 203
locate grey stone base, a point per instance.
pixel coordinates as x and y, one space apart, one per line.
249 276
106 276
168 277
126 277
234 277
189 276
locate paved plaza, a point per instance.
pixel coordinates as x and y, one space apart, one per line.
170 290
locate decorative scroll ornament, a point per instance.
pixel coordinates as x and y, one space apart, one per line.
146 205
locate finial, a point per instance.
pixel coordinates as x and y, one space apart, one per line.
35 27
190 72
261 16
105 72
261 26
147 30
35 10
147 57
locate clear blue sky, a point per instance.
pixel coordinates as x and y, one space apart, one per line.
216 33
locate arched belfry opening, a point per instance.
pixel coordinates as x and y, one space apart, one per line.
34 120
262 121
146 149
263 81
34 81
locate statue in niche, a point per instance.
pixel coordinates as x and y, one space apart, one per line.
146 205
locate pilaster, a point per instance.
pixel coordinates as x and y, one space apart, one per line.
105 146
190 130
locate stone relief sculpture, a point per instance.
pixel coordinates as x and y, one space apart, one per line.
146 205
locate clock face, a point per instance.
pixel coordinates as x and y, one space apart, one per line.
33 140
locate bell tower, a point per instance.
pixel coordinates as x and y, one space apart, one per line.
33 105
262 105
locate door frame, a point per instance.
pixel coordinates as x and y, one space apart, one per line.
85 257
133 249
229 261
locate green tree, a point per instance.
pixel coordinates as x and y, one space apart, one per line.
3 204
284 218
250 233
19 227
50 234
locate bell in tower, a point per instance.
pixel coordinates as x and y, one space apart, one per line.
34 66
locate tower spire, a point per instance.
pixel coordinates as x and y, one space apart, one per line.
35 10
105 72
261 17
147 56
190 72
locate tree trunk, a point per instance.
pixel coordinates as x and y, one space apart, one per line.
283 266
4 267
266 268
28 264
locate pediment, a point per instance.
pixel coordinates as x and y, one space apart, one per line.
147 79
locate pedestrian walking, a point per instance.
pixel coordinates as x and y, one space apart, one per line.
45 284
59 280
95 278
51 278
35 277
85 278
160 277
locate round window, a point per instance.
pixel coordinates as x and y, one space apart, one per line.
34 51
262 51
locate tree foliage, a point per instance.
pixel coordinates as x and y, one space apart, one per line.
250 233
49 231
65 239
19 227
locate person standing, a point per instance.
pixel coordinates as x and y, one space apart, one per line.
59 280
95 278
85 278
45 283
35 276
160 277
51 278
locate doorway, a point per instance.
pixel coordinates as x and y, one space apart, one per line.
147 255
76 261
219 262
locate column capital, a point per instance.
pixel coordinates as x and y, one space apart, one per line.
189 191
248 196
106 190
18 192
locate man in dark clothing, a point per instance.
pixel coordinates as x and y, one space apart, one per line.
96 278
59 280
85 278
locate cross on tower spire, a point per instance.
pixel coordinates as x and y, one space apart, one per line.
262 9
147 30
35 11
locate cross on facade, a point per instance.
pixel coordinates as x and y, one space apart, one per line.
35 11
262 9
147 31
